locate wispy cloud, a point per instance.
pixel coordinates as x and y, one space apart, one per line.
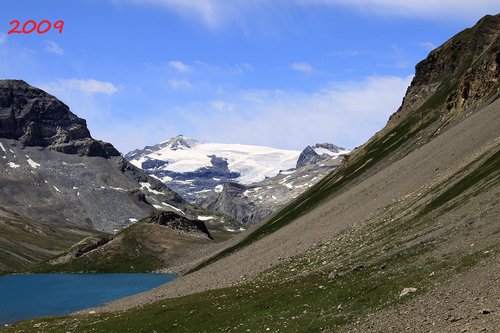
305 68
221 106
89 86
179 84
236 69
179 66
216 13
442 9
301 67
3 38
427 45
350 53
345 113
53 47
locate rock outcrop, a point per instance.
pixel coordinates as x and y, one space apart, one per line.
35 118
461 73
190 227
320 152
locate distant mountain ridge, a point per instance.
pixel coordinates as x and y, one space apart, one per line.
191 166
247 183
254 202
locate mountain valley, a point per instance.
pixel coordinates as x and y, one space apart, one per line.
402 236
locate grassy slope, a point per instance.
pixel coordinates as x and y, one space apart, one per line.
24 242
142 247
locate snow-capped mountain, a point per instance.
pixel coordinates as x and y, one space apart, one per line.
190 167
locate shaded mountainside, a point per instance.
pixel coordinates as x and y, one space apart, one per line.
53 172
402 236
24 243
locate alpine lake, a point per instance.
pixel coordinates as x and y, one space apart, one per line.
39 295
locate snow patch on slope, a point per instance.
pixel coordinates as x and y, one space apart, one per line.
32 163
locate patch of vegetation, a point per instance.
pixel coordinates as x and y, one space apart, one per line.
140 248
490 166
24 243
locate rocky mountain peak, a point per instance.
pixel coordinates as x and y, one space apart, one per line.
182 142
36 118
320 152
462 72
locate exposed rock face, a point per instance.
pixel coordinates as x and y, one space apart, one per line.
181 224
252 203
35 118
463 72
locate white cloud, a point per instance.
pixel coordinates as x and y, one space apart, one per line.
180 66
89 86
301 67
343 113
179 84
427 45
346 113
3 38
53 47
215 13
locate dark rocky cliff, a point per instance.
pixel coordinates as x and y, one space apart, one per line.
35 118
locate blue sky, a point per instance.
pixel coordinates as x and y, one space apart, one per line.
278 73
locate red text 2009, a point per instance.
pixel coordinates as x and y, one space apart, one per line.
31 26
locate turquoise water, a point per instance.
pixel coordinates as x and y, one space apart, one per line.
37 295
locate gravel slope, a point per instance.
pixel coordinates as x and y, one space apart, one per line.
425 167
